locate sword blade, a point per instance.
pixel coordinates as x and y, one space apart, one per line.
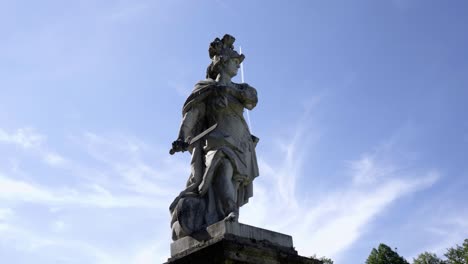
202 134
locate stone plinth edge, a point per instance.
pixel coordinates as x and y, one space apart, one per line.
231 231
234 243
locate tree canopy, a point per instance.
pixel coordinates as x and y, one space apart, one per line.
326 260
385 255
428 258
458 254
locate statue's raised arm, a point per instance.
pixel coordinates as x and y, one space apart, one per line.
214 131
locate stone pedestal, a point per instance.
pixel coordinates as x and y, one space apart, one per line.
235 243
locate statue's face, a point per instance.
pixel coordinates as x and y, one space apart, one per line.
231 67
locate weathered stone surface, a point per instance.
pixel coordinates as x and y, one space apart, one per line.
224 229
232 242
204 216
214 131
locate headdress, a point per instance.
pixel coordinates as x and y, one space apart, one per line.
220 51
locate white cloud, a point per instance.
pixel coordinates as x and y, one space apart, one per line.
119 178
366 171
446 228
123 157
328 222
20 191
327 225
58 226
23 137
124 169
32 142
344 214
5 213
17 190
153 252
294 152
54 159
54 248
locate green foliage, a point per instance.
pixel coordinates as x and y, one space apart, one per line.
458 254
428 258
385 255
326 260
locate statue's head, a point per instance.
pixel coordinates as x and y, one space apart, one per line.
223 57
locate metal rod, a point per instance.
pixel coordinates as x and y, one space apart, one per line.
242 80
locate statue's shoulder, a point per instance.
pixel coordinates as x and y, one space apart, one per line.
202 86
201 90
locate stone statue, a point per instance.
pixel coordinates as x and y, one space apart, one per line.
214 131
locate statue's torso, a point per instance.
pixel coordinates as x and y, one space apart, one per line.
232 131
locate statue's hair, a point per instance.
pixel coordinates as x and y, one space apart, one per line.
216 66
220 51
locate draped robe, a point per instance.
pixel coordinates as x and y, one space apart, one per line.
197 206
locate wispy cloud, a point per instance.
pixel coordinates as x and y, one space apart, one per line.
331 224
5 213
152 252
123 156
34 142
119 156
108 173
337 217
96 196
54 159
23 137
326 223
366 171
449 230
341 218
54 248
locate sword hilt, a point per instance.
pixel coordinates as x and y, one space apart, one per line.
178 146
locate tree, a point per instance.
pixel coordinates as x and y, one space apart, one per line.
458 255
326 260
428 258
385 255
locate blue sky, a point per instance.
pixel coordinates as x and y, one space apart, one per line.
362 121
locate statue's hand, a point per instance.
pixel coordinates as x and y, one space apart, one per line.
248 96
245 86
178 146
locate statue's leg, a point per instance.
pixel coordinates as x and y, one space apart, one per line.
225 190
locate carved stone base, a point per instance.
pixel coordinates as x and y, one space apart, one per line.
235 243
